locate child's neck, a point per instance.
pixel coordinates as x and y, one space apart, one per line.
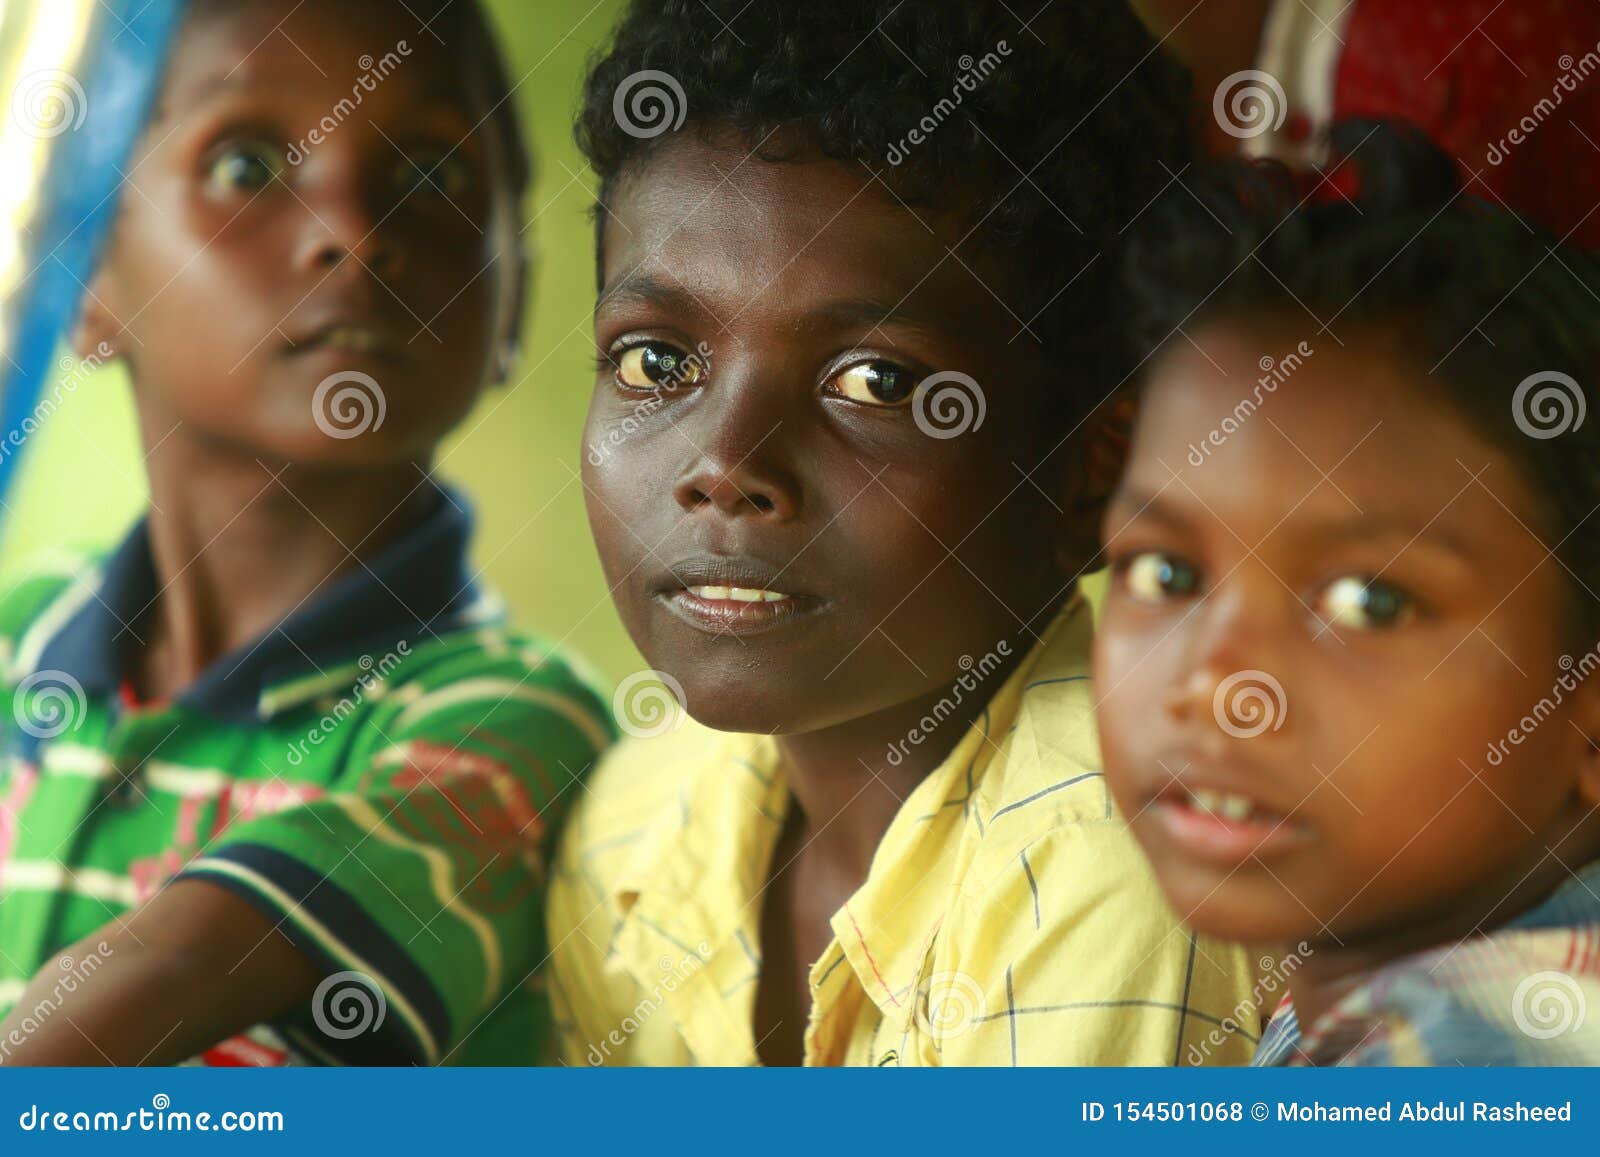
1330 969
843 784
239 543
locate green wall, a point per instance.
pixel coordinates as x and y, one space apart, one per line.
517 456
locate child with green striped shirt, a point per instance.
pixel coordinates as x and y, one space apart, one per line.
276 779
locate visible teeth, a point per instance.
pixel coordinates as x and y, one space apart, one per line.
351 338
1223 804
737 594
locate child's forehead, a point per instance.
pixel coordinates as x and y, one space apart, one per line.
260 44
738 225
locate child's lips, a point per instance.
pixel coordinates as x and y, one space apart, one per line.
734 610
1225 827
351 340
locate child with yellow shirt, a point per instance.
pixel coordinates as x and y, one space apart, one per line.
853 262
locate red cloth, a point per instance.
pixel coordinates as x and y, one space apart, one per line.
1469 73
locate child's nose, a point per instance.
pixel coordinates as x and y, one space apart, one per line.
341 226
1231 667
737 463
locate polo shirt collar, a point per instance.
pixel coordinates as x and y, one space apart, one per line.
418 586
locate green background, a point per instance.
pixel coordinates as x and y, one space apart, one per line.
518 456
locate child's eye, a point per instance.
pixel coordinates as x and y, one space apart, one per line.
1363 604
657 365
1153 577
435 172
875 383
245 167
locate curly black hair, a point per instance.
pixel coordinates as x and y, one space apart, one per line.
1499 313
1050 125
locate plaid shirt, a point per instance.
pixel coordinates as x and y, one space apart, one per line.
1008 917
1527 994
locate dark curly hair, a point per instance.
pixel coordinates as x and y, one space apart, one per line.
1048 124
1500 314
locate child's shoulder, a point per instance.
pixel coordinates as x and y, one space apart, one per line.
491 667
50 585
1516 997
1045 774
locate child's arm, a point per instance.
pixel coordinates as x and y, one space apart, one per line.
194 966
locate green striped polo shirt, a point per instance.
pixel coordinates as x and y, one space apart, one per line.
378 774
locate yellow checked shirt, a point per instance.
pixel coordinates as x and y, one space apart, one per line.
1008 917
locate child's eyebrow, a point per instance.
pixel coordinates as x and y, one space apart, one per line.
647 289
1129 506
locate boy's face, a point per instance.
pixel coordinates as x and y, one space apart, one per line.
1315 637
251 266
788 457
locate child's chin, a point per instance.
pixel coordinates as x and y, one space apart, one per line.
1238 914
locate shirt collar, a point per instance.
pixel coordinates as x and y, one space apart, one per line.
698 873
416 587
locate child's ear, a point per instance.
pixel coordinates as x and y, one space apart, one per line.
1090 475
518 310
96 333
